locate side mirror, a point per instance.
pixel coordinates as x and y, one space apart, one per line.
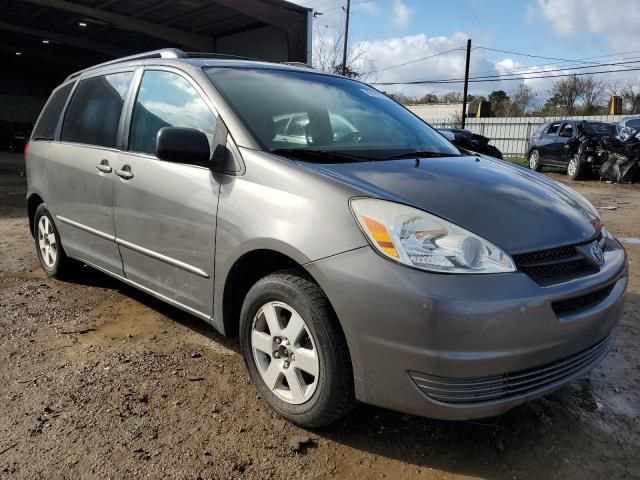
183 145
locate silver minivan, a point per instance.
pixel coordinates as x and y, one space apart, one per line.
355 251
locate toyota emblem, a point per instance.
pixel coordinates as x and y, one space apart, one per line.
597 254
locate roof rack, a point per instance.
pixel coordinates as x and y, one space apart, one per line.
164 53
175 53
298 64
217 55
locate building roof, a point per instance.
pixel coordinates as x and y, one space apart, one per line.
68 35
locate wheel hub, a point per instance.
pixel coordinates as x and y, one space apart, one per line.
285 353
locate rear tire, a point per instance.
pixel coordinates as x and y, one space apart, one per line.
295 351
534 160
576 168
53 259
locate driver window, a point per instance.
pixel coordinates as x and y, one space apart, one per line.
553 129
567 130
166 99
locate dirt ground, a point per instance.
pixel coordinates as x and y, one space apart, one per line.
101 381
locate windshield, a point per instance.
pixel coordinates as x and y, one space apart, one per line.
303 112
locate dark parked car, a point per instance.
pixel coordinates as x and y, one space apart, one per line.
629 122
14 136
474 142
562 143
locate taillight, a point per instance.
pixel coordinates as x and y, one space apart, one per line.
26 149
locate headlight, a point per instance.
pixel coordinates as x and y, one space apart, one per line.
606 233
419 239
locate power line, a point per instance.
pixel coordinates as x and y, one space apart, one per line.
528 55
524 68
419 82
506 75
416 60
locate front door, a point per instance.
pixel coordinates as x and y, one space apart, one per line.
165 212
80 170
547 143
561 146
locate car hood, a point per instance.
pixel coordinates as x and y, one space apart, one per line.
512 207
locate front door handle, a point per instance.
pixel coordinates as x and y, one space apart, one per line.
104 167
125 172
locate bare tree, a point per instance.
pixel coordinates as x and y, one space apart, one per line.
327 54
564 94
593 93
451 97
625 89
522 99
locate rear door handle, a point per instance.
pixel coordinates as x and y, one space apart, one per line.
125 173
104 167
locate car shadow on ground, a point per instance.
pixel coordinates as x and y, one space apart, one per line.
89 277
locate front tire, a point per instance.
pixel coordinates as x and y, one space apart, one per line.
295 351
534 160
53 259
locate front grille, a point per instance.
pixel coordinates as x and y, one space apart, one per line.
574 304
555 264
510 385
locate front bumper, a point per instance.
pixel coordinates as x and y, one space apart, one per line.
401 323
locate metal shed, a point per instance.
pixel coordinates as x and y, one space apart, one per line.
42 41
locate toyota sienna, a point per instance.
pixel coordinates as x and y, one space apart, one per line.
355 251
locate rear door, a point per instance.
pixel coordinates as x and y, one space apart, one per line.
80 170
165 212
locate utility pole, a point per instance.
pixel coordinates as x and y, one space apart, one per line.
466 84
346 38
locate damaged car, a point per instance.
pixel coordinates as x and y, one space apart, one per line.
569 144
621 156
473 142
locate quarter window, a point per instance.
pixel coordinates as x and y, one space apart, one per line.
48 121
94 112
166 99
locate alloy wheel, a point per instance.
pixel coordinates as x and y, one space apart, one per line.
285 352
533 160
572 167
47 242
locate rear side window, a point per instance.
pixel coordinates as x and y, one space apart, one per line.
94 112
48 121
539 129
166 99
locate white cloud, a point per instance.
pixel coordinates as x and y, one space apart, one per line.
401 13
369 7
617 21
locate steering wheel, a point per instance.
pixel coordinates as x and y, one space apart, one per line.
350 136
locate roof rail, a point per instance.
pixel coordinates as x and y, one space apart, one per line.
163 53
216 55
298 64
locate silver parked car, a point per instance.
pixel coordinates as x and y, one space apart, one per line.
376 263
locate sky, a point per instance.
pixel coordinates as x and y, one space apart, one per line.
392 32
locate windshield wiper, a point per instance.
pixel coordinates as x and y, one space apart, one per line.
422 154
321 156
